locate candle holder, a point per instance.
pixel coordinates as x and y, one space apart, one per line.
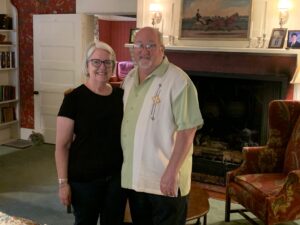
249 43
258 42
171 40
263 41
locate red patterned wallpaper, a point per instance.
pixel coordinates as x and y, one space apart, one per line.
26 10
118 33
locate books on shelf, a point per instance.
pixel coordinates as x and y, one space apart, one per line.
7 59
7 92
6 22
7 114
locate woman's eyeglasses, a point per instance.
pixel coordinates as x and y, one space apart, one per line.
97 62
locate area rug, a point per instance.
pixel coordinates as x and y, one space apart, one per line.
4 150
28 189
19 143
216 215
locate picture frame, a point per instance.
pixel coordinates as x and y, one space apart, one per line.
293 39
132 34
277 37
224 20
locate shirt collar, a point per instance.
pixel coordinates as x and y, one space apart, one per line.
159 71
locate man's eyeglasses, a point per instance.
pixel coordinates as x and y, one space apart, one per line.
98 62
148 46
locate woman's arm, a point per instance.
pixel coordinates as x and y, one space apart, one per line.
64 138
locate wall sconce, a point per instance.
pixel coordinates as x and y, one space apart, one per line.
156 14
284 6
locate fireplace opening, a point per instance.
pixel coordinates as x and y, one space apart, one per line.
234 89
235 112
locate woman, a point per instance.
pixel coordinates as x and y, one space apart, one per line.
88 151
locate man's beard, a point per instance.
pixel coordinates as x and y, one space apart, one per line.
144 63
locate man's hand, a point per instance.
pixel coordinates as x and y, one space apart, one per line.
169 183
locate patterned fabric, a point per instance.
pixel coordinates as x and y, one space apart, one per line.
268 181
12 220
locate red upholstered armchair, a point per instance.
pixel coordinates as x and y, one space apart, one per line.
268 182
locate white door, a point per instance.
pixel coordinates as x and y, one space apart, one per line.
59 43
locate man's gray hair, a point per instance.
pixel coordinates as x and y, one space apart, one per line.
160 35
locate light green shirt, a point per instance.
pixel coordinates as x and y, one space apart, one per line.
154 110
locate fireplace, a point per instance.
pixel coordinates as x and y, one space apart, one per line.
234 90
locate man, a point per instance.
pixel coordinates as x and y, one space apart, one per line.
294 43
161 116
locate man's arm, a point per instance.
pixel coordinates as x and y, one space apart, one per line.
169 180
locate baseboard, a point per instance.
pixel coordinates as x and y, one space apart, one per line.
25 132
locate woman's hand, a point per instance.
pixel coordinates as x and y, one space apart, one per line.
64 194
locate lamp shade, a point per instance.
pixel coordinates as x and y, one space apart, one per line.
155 7
296 77
284 5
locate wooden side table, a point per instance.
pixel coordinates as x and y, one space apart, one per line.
198 205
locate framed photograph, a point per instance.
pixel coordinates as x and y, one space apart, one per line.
222 19
132 34
277 38
293 40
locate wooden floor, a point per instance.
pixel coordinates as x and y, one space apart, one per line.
214 191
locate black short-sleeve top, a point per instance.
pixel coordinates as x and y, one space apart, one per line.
96 150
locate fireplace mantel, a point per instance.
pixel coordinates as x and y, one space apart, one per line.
250 62
240 61
283 51
229 49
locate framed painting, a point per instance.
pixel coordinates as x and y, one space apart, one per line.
132 34
277 38
293 40
218 19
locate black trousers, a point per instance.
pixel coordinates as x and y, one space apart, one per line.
102 198
150 209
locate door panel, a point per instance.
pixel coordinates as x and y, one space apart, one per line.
59 43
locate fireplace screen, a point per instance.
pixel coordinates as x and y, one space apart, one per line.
235 115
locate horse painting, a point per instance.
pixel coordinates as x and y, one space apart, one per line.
224 19
217 23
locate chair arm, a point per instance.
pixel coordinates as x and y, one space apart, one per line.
288 196
258 159
293 178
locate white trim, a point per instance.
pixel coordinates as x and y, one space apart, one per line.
115 18
25 132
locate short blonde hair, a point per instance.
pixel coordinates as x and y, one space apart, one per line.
90 50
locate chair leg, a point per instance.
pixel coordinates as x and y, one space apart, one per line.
205 219
227 207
